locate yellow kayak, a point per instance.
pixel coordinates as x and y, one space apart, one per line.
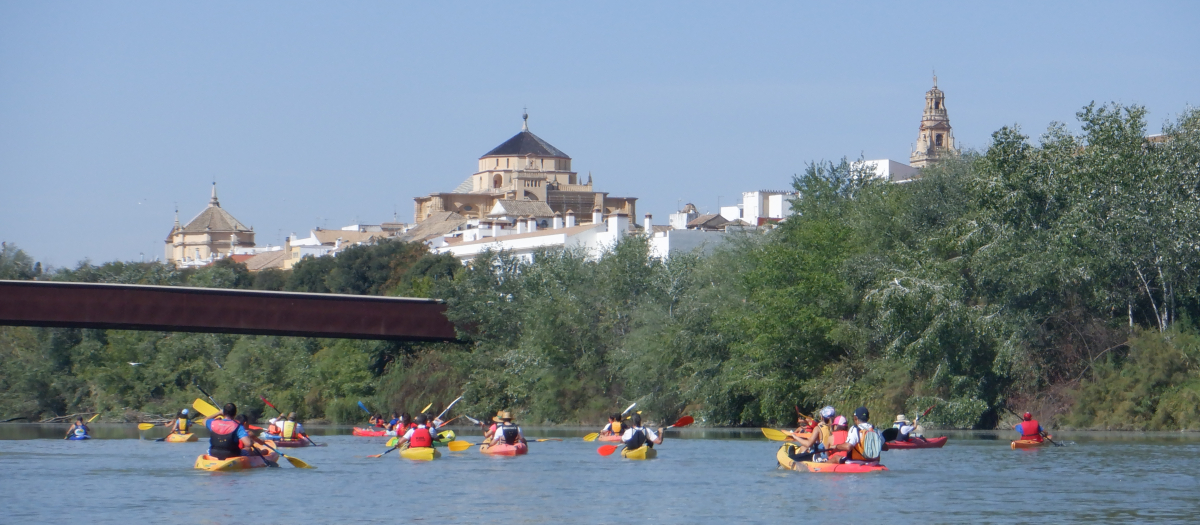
420 453
642 452
176 437
784 460
207 462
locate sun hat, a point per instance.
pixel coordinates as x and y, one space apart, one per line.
828 412
902 418
502 415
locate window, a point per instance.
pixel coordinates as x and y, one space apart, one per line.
938 141
497 181
937 104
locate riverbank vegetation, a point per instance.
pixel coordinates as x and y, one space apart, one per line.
1059 275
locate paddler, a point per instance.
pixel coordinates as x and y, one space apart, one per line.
78 428
613 427
1030 429
636 435
418 436
820 439
225 434
904 426
182 424
860 439
291 429
491 431
507 432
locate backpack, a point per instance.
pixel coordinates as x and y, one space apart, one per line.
871 443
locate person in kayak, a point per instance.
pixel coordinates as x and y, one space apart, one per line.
1030 429
613 427
419 436
819 440
636 435
78 429
290 429
904 426
507 432
863 443
225 434
182 424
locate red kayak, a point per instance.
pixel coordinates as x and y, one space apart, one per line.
371 432
937 442
842 468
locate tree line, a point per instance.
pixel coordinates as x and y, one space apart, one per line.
1058 276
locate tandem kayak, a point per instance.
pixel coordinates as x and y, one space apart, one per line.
613 438
176 437
504 450
937 442
642 452
1031 443
207 462
444 437
420 453
787 462
368 432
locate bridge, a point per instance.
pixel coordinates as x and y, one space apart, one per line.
217 310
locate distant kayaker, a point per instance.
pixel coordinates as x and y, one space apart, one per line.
819 440
636 435
1030 429
491 431
613 427
78 429
391 426
863 442
507 432
182 424
904 426
225 434
418 436
290 429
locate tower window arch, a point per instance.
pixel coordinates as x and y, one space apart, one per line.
938 140
497 181
937 104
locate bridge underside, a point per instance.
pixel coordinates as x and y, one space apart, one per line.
213 310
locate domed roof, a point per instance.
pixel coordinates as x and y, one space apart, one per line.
526 143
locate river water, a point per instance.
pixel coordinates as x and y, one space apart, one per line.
700 476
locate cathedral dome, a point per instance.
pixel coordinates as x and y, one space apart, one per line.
524 144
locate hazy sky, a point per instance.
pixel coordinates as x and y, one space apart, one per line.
324 114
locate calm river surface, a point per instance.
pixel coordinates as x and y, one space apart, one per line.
700 476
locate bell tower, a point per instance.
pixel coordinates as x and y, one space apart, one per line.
935 140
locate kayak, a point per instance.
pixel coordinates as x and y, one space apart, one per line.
444 437
610 438
420 453
642 452
79 438
504 450
367 432
176 437
787 462
1031 443
207 462
292 443
842 468
937 442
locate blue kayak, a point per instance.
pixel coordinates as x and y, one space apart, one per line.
80 438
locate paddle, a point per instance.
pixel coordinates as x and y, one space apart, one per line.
439 416
364 408
94 417
684 421
296 462
459 446
145 426
426 408
775 435
594 435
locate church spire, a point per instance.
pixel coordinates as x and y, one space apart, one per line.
935 140
213 201
525 119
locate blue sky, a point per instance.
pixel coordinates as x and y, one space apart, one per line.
323 114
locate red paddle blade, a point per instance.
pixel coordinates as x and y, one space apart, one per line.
264 398
927 411
607 450
684 421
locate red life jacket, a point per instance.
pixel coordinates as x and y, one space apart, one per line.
1029 430
223 441
839 437
420 438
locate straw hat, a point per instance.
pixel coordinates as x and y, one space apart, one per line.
502 415
902 418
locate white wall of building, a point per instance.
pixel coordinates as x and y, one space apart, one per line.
889 170
664 244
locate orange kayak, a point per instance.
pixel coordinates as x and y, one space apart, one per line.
611 438
1031 443
842 468
504 450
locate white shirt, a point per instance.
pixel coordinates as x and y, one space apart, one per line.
650 435
498 437
906 429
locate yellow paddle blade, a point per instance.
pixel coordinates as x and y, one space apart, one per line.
94 417
459 446
145 426
392 442
297 462
203 407
423 410
591 437
774 435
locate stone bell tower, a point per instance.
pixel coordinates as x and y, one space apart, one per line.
935 140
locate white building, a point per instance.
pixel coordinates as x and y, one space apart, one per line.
889 170
760 207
